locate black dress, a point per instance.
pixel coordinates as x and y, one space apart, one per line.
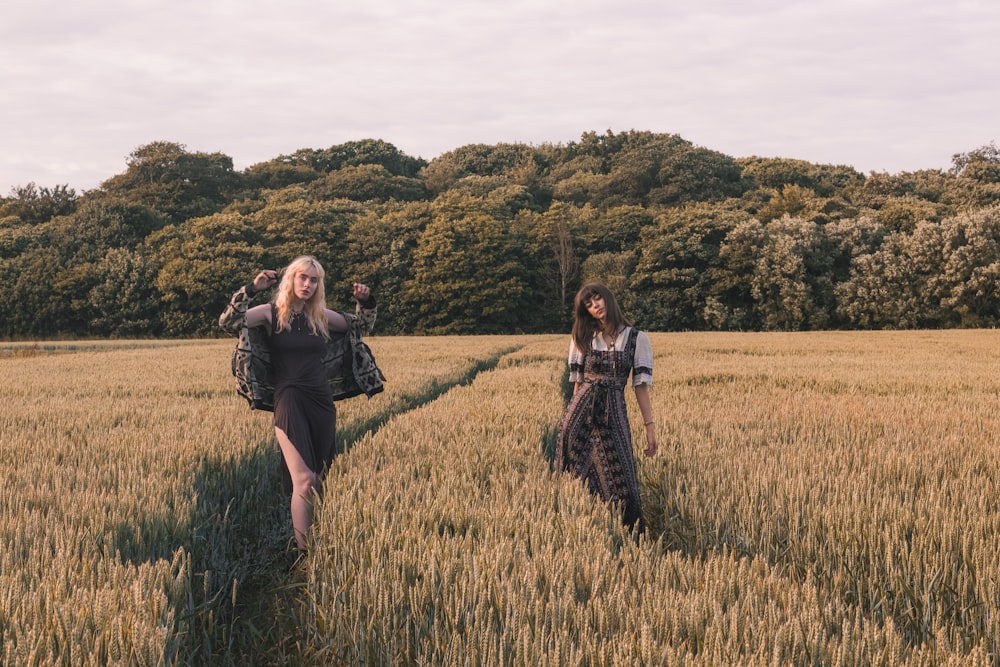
303 400
594 441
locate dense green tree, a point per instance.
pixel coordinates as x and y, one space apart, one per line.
165 176
978 174
502 203
277 174
777 173
932 186
614 229
32 307
972 268
901 214
370 152
199 264
468 274
554 259
292 226
688 237
602 146
731 303
55 265
369 182
849 239
678 266
308 164
63 255
514 163
779 277
792 283
99 225
34 205
900 285
981 164
74 285
17 237
581 187
790 200
123 300
691 173
379 253
664 169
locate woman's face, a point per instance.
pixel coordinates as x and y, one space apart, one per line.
305 283
595 306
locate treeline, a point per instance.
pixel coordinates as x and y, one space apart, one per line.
497 238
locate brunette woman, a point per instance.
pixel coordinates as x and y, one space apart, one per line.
595 439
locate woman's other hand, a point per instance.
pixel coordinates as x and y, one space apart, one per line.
361 292
264 279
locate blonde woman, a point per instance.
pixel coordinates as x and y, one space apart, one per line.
291 359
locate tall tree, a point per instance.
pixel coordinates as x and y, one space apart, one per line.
971 269
34 205
165 176
554 236
468 274
679 265
900 284
198 264
379 252
365 183
123 299
515 163
981 163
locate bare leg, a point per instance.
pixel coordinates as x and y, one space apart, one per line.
304 481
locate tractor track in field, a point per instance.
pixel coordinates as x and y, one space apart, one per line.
259 631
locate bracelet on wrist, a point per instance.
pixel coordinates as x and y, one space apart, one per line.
649 422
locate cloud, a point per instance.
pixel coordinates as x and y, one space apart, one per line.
885 85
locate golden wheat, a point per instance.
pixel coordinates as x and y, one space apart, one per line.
127 469
821 498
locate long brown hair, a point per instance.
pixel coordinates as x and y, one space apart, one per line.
314 309
585 325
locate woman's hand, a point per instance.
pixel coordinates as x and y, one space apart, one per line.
650 440
264 279
361 292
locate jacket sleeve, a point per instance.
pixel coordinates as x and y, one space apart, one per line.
365 314
233 316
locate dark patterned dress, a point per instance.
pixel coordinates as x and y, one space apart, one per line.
595 439
303 400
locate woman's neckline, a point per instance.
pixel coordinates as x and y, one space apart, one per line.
614 338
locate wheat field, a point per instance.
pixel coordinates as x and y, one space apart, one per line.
818 498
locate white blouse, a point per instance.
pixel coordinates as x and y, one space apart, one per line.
642 364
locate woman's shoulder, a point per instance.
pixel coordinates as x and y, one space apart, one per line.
642 341
261 315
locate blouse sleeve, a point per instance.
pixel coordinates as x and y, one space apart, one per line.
575 362
642 363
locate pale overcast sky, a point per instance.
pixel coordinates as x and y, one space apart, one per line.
882 85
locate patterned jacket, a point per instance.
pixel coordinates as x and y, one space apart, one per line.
349 363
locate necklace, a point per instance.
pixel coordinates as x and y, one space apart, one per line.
611 348
612 340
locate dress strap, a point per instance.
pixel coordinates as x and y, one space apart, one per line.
633 335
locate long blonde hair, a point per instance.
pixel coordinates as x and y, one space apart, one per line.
314 308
